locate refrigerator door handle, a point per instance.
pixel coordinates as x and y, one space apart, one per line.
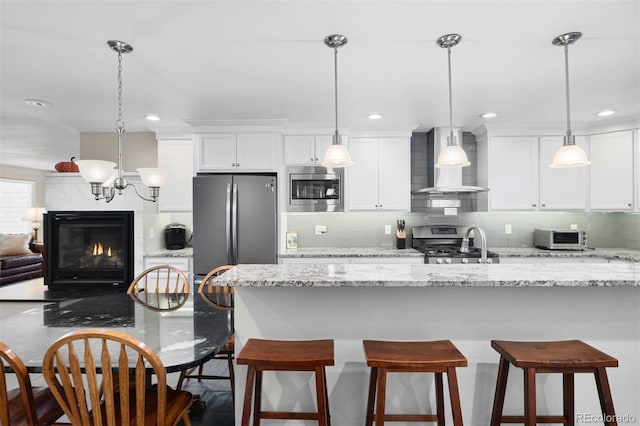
235 223
228 224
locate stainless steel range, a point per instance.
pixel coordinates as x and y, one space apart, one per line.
450 244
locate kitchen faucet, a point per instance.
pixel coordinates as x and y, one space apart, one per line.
464 247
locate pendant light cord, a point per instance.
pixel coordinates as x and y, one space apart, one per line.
450 141
566 76
335 69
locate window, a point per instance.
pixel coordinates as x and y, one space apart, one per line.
16 196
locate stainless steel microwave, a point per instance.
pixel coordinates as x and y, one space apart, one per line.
560 239
315 189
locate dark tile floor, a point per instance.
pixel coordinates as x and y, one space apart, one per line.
216 394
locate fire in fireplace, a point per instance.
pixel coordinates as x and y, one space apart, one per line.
88 248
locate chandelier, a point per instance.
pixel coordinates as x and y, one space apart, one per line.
101 175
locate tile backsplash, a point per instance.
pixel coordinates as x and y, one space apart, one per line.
621 230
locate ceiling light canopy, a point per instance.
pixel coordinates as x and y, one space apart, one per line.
337 154
452 155
101 175
570 154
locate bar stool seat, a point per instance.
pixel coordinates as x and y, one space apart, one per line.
285 355
566 357
412 357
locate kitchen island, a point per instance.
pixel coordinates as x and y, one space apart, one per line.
468 304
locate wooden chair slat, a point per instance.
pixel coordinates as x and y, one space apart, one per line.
107 384
76 374
92 379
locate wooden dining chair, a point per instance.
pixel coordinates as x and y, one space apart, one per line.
100 377
161 288
25 405
220 297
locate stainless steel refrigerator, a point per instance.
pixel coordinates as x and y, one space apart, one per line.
234 220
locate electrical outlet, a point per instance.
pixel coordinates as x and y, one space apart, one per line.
320 229
573 226
152 234
387 229
508 229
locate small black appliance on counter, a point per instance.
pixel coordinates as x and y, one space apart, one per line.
175 236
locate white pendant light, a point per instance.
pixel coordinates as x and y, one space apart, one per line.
102 177
570 154
452 155
337 154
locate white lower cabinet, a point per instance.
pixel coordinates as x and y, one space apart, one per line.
181 263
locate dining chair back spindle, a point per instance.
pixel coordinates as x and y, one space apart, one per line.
25 405
160 279
103 377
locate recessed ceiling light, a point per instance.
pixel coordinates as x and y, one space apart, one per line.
606 113
37 102
489 115
375 116
152 117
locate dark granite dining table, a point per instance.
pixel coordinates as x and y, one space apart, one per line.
183 332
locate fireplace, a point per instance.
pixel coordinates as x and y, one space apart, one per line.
88 248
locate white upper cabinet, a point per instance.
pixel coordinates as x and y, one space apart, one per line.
237 152
176 157
611 171
565 188
513 173
305 149
380 178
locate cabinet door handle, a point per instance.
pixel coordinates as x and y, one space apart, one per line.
543 205
311 159
533 205
233 164
629 204
237 164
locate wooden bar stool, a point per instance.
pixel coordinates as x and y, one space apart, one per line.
566 357
285 355
412 357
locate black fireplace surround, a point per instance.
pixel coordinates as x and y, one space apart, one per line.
88 248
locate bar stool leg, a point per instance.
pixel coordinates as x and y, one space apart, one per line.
606 401
382 393
501 388
248 393
257 401
568 398
530 397
326 395
373 380
454 395
439 399
321 396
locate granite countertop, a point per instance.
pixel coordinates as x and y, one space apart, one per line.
421 275
351 252
606 253
185 252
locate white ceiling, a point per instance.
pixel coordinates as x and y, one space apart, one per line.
199 60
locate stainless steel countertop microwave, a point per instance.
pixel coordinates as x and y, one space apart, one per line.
315 189
560 239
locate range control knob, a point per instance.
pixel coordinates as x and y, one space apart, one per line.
465 261
438 261
479 260
447 261
489 261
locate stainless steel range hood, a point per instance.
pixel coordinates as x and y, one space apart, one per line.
444 180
